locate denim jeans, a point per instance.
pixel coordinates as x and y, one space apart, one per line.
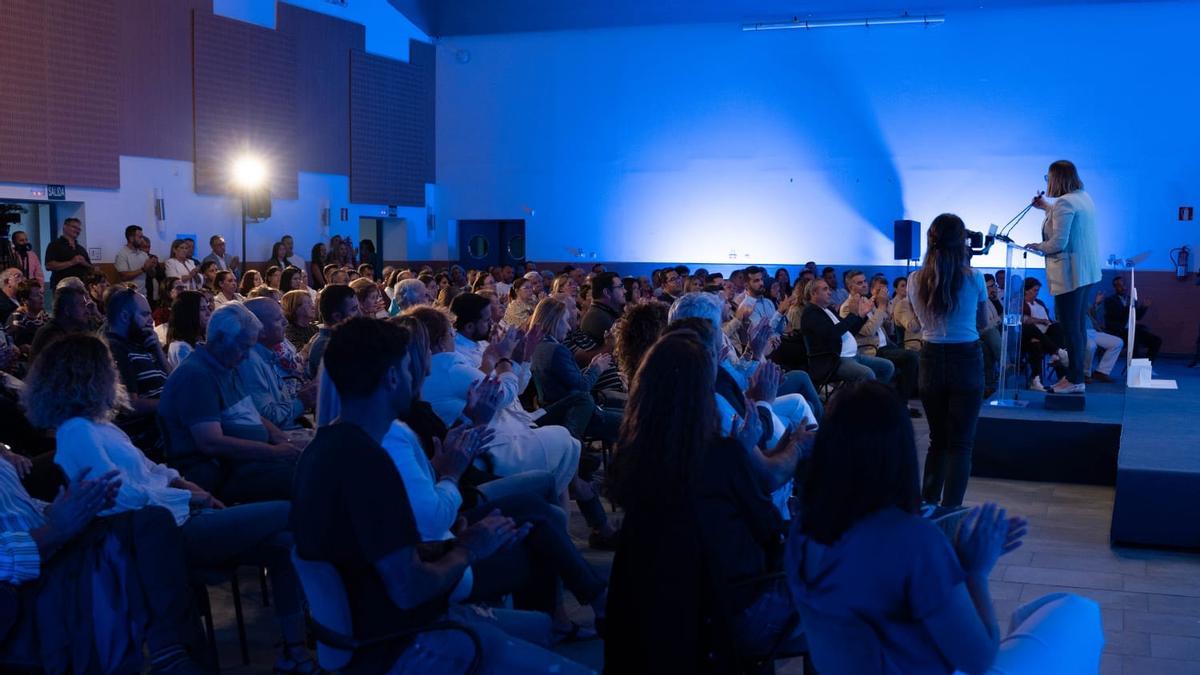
510 641
991 339
1071 311
863 367
951 391
237 482
251 534
799 382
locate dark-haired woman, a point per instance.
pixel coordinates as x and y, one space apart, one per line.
278 256
272 277
316 263
880 589
700 528
169 290
189 321
251 280
948 298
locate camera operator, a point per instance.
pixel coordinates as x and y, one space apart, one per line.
949 299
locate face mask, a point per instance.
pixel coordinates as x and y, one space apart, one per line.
24 248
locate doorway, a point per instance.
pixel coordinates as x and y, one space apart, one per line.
483 244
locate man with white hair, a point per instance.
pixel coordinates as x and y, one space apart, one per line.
409 293
215 436
9 280
261 374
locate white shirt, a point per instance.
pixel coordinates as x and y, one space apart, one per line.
180 269
177 351
220 299
1037 311
103 447
296 261
130 260
849 345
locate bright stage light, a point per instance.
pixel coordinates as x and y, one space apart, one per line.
249 173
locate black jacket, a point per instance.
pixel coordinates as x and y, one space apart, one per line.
825 339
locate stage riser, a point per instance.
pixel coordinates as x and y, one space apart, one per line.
1157 508
1046 451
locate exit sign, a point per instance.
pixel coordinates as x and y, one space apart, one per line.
56 192
1185 213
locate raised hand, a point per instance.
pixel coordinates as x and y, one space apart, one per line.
601 362
764 383
981 539
532 339
77 505
759 337
747 431
483 400
452 456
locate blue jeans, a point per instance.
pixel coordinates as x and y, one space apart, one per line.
1071 311
799 382
250 534
863 367
511 642
951 391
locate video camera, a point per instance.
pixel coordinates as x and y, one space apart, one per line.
981 243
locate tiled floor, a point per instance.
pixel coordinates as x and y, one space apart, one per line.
1150 599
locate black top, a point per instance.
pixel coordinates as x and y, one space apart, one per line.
673 587
824 337
60 250
349 508
599 318
1116 313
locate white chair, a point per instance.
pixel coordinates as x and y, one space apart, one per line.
332 625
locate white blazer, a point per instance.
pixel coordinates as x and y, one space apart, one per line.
1069 242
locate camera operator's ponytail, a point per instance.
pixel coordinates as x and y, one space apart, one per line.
946 263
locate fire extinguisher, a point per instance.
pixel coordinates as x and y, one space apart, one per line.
1180 257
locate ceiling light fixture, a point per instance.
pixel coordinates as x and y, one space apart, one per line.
797 23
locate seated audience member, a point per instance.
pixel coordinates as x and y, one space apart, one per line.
903 316
520 445
546 554
1040 336
521 303
990 336
292 279
339 276
72 314
188 324
1116 318
140 361
1098 339
699 523
226 289
861 554
855 283
169 289
316 266
337 303
558 378
266 291
30 315
608 302
251 280
635 333
214 434
46 556
483 282
272 276
208 276
873 340
213 536
408 293
759 307
370 300
9 280
833 350
836 295
261 373
394 580
565 285
300 312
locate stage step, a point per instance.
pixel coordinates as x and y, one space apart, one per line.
1064 401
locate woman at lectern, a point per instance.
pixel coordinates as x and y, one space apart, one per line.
1072 262
948 298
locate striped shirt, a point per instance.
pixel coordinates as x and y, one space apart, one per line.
142 370
20 514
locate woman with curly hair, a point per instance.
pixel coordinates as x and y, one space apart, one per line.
74 389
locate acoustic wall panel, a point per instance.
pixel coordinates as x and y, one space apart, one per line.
323 45
155 58
58 76
245 102
392 127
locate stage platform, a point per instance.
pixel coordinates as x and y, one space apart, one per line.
1053 446
1145 442
1158 474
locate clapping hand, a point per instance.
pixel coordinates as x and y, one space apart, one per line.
462 445
759 337
77 505
531 340
23 465
601 362
746 431
483 400
864 306
764 383
491 534
984 535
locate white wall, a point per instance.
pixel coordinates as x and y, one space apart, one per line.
704 144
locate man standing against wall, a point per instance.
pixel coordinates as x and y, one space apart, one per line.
132 261
65 256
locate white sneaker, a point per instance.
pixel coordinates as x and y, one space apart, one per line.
1065 387
1036 384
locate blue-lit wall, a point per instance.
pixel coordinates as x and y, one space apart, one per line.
703 143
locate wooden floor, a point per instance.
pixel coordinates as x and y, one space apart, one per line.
1150 599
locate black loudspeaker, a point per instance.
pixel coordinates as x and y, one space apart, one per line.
257 204
907 241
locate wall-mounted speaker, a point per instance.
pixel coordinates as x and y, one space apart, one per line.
907 241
